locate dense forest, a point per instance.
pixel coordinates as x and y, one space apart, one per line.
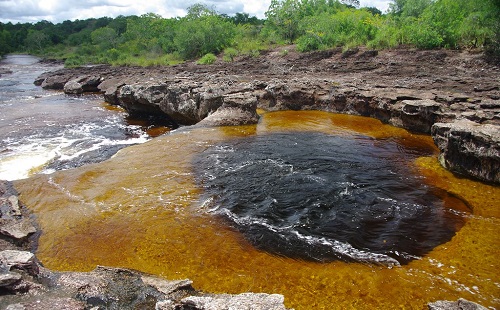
310 24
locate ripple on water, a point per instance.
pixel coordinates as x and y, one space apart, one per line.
323 197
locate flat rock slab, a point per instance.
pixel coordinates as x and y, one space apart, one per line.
469 148
245 301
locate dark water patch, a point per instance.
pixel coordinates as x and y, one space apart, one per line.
320 197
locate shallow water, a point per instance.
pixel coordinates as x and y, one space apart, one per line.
44 130
143 209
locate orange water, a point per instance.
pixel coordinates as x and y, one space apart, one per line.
140 210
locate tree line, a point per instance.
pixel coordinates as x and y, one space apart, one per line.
150 39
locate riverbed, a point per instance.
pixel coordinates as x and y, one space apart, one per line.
153 207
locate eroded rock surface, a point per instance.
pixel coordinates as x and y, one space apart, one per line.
14 227
469 148
407 88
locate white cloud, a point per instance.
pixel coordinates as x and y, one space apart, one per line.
382 5
59 10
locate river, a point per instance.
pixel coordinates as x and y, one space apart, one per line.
43 130
332 211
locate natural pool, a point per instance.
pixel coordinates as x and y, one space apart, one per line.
146 209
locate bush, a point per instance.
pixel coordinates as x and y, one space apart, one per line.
351 27
229 54
425 37
74 61
308 42
206 33
112 54
208 59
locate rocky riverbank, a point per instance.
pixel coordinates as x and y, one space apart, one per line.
26 284
453 95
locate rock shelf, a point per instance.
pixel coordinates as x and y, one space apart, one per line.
430 92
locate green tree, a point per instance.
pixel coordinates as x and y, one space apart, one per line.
5 42
283 16
373 10
414 8
36 41
344 28
202 31
104 37
150 32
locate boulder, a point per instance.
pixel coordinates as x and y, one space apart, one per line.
16 228
54 81
469 148
82 84
419 115
15 259
141 98
9 278
237 109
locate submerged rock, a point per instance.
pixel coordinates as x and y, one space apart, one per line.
237 109
461 304
26 284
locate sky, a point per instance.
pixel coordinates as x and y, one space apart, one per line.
57 11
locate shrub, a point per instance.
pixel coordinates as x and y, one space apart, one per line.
229 54
112 54
424 36
208 59
74 61
308 42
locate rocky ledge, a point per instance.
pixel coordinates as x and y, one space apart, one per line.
432 92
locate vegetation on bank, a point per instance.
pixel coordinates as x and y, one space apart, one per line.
310 24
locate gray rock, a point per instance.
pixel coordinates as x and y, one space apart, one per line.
12 223
245 301
141 98
54 81
9 278
49 303
116 288
16 228
419 115
469 148
24 260
82 84
167 287
165 305
237 109
461 304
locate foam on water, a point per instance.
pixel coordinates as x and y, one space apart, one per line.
43 130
